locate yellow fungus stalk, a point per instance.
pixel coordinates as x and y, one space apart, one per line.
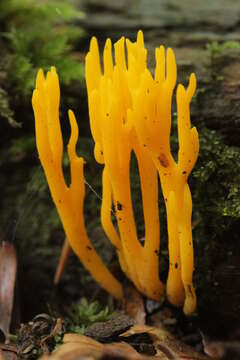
130 112
68 199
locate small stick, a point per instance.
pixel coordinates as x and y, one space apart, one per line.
66 249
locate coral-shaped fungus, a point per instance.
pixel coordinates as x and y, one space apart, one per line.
130 112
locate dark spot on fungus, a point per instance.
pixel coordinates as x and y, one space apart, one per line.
156 252
101 152
189 161
144 145
107 114
89 247
189 290
184 172
163 160
119 206
59 201
176 265
165 199
145 117
147 91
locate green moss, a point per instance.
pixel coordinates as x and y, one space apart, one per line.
85 313
36 35
220 54
5 110
21 148
215 48
217 175
216 212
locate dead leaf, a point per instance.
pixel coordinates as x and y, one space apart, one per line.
8 268
37 336
221 349
76 347
166 345
213 348
8 352
133 304
56 329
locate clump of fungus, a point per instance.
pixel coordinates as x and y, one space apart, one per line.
130 111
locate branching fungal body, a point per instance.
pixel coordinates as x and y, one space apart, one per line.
130 111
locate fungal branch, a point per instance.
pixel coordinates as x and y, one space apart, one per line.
153 130
68 199
110 99
130 111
